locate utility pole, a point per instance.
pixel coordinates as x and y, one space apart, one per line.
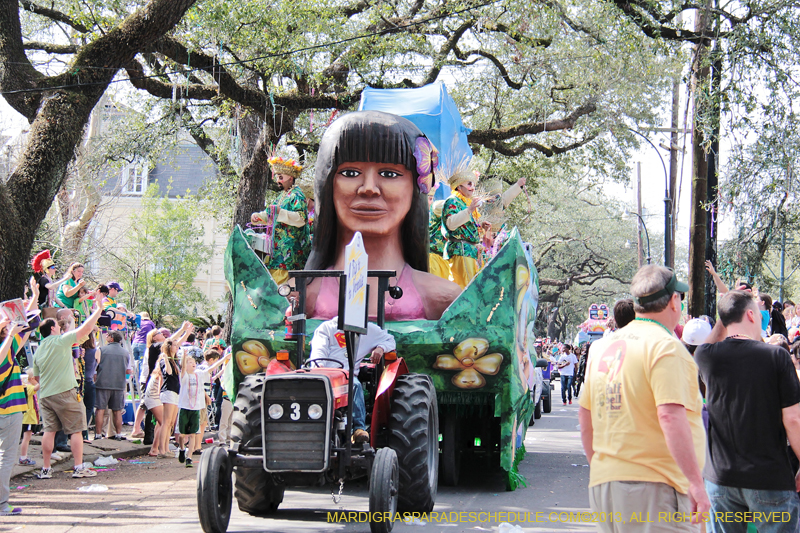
696 299
639 244
669 250
783 236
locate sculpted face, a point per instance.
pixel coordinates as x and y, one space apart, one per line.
373 198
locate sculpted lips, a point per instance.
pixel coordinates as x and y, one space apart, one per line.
368 210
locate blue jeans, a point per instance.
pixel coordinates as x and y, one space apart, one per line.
359 409
138 351
566 387
731 500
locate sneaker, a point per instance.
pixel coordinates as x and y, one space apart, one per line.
11 511
570 402
55 456
172 447
565 403
120 436
83 471
182 456
27 461
46 473
188 462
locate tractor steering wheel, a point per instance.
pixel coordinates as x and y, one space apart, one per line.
317 359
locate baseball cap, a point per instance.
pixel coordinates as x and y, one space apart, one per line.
672 286
114 285
696 331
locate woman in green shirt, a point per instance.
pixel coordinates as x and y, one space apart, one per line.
68 291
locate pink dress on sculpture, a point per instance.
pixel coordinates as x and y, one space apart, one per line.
409 307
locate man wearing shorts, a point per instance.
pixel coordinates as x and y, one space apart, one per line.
113 364
640 417
58 398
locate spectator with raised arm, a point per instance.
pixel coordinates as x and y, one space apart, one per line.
58 399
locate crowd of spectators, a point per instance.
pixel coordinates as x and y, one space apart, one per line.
82 357
693 420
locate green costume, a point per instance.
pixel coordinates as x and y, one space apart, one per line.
462 241
291 244
63 299
437 239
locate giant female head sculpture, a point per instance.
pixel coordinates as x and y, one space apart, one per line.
400 157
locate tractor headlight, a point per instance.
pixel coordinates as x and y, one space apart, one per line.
275 411
314 411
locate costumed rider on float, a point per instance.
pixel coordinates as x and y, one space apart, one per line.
289 218
437 264
461 226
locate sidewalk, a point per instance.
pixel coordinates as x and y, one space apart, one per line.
91 452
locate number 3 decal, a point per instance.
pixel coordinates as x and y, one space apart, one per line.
295 411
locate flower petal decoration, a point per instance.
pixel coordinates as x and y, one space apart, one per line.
468 379
489 364
427 157
471 348
469 356
447 362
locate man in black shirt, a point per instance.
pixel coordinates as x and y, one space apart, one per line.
753 400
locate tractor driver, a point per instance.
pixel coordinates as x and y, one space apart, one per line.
328 343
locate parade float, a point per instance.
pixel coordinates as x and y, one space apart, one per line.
476 359
596 325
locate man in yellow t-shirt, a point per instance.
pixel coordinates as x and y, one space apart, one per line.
640 417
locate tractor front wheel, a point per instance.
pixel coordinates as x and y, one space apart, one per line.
214 490
413 432
384 482
254 490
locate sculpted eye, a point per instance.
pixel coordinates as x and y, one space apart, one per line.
350 173
389 174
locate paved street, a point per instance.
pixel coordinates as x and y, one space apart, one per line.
158 496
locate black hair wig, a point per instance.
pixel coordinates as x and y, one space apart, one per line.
375 137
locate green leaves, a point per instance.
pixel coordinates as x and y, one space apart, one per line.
161 255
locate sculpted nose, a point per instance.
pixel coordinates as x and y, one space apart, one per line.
370 185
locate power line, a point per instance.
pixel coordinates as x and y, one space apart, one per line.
243 61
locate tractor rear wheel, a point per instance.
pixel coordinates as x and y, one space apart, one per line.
254 490
413 432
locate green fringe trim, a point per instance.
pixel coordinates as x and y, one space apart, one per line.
515 479
465 399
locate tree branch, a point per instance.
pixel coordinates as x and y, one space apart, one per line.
532 128
497 63
252 98
53 14
51 48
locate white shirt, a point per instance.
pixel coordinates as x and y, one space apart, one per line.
192 395
328 342
568 370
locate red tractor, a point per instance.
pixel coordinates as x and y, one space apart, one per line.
292 427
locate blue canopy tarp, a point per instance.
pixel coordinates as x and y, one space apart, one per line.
434 112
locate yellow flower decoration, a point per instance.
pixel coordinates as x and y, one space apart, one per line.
470 358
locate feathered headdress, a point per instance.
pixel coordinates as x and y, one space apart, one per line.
290 167
41 261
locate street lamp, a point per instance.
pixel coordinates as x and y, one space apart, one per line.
667 201
627 216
